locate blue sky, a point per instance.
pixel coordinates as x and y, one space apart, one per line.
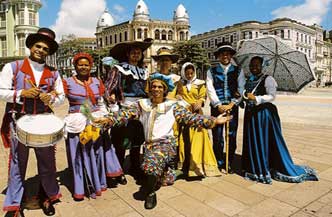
80 16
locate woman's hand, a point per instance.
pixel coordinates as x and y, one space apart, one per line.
251 96
45 97
196 106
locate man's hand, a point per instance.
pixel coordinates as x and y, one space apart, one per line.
45 97
30 93
103 121
221 109
223 118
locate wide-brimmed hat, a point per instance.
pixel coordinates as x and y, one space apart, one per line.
119 51
224 46
43 34
164 51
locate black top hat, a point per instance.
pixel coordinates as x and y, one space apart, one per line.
224 46
43 34
119 51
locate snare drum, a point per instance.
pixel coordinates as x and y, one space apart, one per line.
39 130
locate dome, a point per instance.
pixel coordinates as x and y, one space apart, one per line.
180 14
141 11
105 20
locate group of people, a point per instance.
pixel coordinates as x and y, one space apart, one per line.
132 108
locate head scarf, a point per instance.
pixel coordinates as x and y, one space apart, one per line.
187 82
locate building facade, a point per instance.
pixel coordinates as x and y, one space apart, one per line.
307 39
163 33
18 18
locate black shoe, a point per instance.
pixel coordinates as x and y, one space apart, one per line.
121 179
112 182
151 201
230 170
47 207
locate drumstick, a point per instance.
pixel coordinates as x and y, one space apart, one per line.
34 86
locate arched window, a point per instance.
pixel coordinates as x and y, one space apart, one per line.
120 37
139 33
134 34
282 33
157 34
111 41
163 35
145 33
115 39
187 35
181 36
170 35
125 36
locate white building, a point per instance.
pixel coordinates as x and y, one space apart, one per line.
164 33
307 39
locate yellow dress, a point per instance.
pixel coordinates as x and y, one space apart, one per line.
202 159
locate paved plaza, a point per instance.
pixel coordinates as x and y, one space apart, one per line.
307 127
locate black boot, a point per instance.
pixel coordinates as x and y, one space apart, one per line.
151 197
151 201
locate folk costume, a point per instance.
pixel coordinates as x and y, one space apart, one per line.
196 157
133 80
265 155
224 84
160 143
15 77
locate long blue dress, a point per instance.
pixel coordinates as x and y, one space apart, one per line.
265 155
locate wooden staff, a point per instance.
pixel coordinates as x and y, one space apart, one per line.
227 140
34 86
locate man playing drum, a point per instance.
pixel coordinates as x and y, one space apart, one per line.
29 86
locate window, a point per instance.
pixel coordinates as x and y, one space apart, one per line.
2 20
163 35
157 34
139 33
170 35
203 44
3 47
32 18
187 35
282 33
215 42
134 35
101 42
231 39
115 38
306 39
297 36
21 45
250 35
21 6
111 41
106 41
275 32
288 33
182 36
21 18
120 37
125 36
309 39
145 33
256 35
301 37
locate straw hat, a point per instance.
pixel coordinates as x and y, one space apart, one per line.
164 51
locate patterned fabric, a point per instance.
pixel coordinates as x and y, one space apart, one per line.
134 83
289 67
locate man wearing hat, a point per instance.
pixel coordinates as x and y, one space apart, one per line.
224 83
29 86
133 81
158 116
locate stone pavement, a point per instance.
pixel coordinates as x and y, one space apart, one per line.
307 127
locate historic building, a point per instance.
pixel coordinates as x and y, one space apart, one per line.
307 39
163 33
18 18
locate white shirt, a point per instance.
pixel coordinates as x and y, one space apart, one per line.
6 78
271 91
210 87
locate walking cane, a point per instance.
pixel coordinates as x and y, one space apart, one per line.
227 140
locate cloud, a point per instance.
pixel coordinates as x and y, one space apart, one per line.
118 8
78 17
310 12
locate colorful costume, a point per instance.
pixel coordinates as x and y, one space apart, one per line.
223 84
265 154
196 155
89 156
15 77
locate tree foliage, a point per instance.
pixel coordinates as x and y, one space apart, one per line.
191 51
